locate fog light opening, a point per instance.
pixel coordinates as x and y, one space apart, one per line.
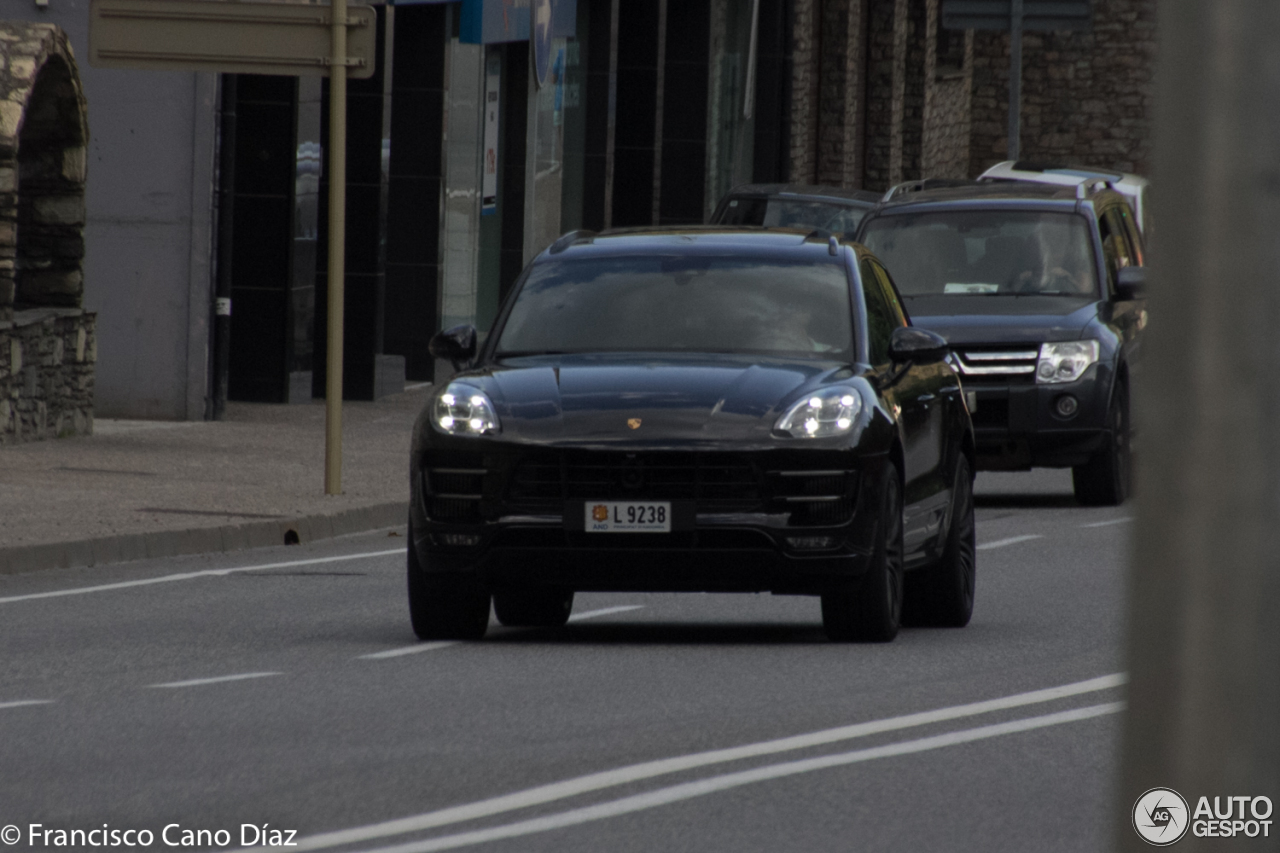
812 543
1067 406
459 540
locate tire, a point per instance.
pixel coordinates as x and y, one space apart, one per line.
870 609
533 607
941 595
445 606
1106 479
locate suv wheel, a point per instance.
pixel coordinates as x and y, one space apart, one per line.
870 610
1105 479
445 606
941 595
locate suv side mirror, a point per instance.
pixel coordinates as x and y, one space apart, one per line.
917 346
457 345
1131 283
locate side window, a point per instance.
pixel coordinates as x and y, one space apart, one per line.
1131 231
1114 247
891 293
880 317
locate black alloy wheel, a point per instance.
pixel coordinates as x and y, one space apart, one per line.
941 595
445 606
870 610
1105 480
533 607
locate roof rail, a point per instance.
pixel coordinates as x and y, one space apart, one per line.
921 185
570 238
1090 185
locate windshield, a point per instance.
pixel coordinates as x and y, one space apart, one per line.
682 304
792 213
985 253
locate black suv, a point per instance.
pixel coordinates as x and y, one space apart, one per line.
1039 291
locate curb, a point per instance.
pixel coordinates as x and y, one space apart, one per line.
200 540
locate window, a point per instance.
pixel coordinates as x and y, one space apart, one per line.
881 320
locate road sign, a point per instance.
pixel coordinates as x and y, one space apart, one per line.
230 37
1037 15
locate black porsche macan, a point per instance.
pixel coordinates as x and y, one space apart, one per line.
709 410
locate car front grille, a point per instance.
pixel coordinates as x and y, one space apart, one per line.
716 482
454 487
998 364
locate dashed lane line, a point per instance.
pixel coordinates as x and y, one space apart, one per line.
441 644
650 769
727 781
1109 522
22 703
200 682
1012 540
186 576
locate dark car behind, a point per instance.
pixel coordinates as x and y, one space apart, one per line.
1038 289
810 208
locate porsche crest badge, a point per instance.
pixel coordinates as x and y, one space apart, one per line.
634 423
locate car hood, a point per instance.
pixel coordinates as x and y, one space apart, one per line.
593 399
1003 319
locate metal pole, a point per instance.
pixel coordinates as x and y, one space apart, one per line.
1204 590
1015 78
226 232
337 259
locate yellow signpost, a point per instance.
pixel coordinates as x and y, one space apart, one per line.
236 37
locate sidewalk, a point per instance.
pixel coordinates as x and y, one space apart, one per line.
137 489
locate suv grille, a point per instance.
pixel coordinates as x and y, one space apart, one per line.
999 364
454 487
717 482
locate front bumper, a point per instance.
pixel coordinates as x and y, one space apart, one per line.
1017 426
514 534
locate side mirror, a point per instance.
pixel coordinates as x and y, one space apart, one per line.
1131 283
457 345
917 346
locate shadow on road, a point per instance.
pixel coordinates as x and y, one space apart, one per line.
1014 501
665 633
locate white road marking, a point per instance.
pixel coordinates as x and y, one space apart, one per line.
186 576
715 784
440 644
1012 540
416 385
650 769
604 611
22 703
409 650
198 682
1124 520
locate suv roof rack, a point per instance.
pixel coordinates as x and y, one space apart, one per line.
921 185
1092 185
569 239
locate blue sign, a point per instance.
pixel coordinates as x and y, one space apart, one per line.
497 21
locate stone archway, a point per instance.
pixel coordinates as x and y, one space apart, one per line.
43 131
47 349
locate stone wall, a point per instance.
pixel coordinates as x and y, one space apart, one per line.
1086 97
47 343
47 359
945 146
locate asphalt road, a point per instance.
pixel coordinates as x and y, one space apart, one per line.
285 688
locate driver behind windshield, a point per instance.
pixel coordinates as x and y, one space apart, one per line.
991 253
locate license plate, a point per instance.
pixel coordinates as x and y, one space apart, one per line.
628 517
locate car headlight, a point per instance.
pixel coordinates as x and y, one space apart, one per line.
1065 362
822 414
463 410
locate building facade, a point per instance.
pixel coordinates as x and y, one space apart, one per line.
491 127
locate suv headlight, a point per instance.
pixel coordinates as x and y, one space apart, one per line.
822 414
463 410
1065 362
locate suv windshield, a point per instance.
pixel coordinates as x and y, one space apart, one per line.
985 253
682 304
792 213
